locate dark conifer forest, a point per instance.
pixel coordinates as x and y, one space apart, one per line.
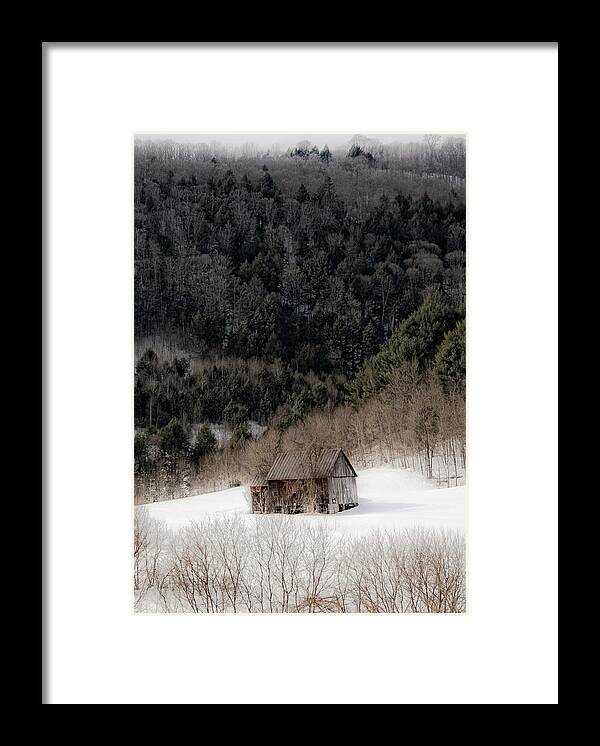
274 291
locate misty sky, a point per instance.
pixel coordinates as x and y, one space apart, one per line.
282 139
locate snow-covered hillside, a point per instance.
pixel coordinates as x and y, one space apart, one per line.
389 499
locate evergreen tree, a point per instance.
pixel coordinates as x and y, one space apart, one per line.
204 443
245 183
302 194
173 439
140 453
239 435
450 360
267 185
235 414
415 342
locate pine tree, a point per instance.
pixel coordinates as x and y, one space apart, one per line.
239 435
450 360
204 443
267 185
245 183
235 414
140 453
173 439
302 194
415 342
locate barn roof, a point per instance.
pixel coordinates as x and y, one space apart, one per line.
258 480
308 465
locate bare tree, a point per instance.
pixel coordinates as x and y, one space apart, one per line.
278 565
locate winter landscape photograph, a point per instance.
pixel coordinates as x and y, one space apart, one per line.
299 388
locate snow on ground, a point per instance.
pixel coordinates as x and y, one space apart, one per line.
389 498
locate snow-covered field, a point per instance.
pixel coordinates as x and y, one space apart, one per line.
390 499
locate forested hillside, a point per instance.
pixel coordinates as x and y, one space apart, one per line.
273 287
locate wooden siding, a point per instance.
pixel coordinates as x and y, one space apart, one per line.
342 467
260 499
342 490
298 496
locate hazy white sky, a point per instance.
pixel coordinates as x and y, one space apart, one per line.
282 139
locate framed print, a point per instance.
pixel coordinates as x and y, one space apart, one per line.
300 373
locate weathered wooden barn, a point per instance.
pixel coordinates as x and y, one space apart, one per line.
317 481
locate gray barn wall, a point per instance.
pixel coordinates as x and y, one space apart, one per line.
343 489
341 468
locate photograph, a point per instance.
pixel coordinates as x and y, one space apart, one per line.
300 373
